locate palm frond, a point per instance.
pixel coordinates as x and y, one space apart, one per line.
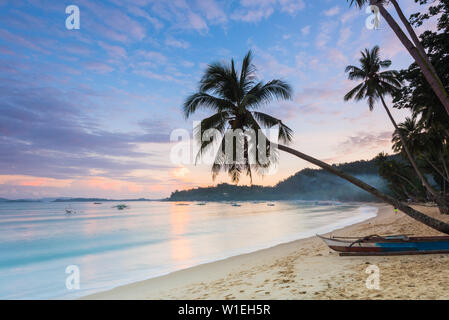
247 74
285 133
353 92
215 122
262 94
206 101
220 80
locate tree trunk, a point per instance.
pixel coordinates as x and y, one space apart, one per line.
414 37
444 165
407 151
436 168
429 221
431 78
408 181
444 208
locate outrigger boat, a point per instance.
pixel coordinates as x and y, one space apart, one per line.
69 210
387 245
121 206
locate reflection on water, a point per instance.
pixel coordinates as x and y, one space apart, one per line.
112 247
180 246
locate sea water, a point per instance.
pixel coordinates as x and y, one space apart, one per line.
42 249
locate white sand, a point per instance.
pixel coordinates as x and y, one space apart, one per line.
308 269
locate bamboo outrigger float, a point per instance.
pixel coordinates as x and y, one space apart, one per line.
387 245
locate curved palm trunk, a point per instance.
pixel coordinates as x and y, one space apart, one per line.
414 37
439 200
436 168
429 221
408 181
444 165
426 69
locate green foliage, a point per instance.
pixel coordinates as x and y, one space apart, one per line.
307 184
427 131
234 98
401 178
374 82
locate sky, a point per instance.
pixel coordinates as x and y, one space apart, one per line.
89 112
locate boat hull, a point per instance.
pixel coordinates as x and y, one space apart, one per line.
392 245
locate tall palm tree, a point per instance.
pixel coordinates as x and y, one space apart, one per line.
427 145
413 46
234 98
375 85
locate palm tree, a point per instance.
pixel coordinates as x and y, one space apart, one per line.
414 46
427 145
375 85
234 98
397 174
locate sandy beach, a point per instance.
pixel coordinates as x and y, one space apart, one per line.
308 269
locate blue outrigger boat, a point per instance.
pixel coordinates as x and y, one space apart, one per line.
387 245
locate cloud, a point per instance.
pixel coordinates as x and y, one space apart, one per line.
115 22
257 10
20 41
98 67
345 34
349 15
113 51
292 6
305 30
138 12
152 56
212 10
44 133
172 42
367 141
332 11
337 57
324 35
182 14
254 15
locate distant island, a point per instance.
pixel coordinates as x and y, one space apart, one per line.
19 200
73 200
98 200
307 184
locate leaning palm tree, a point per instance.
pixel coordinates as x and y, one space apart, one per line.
234 98
413 46
375 85
427 145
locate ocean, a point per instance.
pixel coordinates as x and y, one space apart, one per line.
45 253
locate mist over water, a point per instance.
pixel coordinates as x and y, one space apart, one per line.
112 247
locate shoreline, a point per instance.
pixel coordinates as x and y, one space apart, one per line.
190 272
307 269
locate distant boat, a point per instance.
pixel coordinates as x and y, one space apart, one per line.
97 203
236 205
121 206
270 204
387 245
182 204
69 210
201 204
